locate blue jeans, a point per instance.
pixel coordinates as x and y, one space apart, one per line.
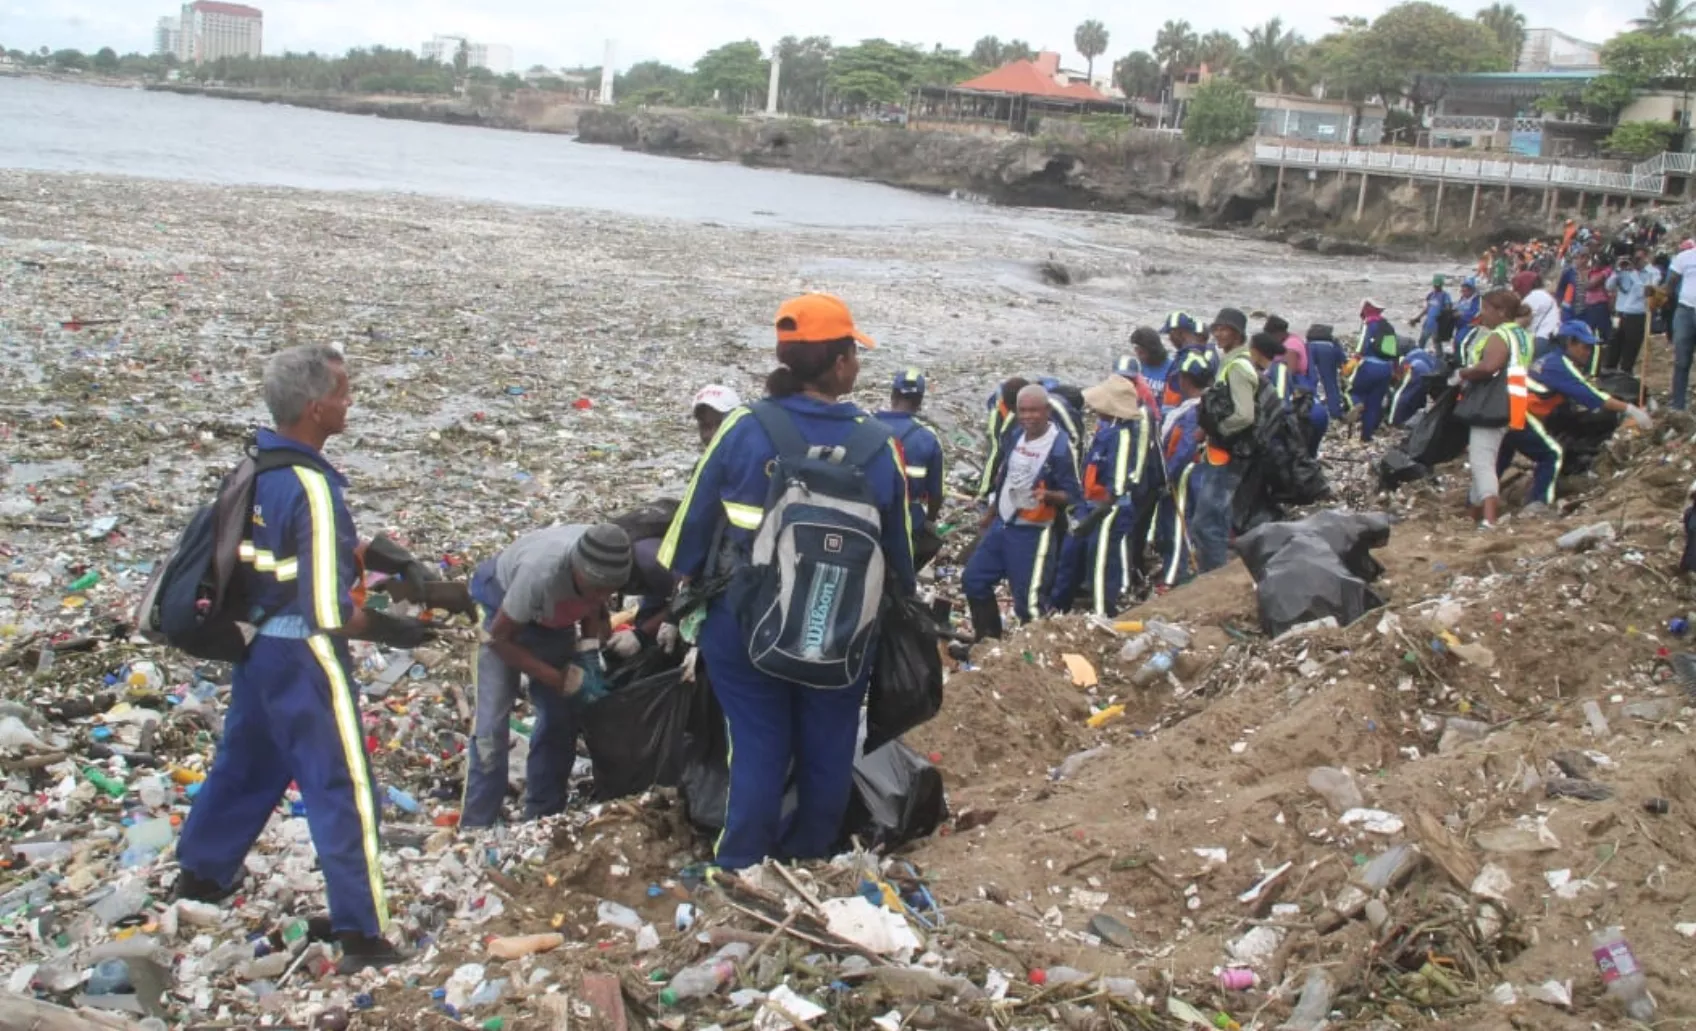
1683 347
553 737
1214 488
776 728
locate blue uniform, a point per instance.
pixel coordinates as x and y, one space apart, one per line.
1436 302
1116 473
1318 416
1466 313
1181 439
1552 380
775 727
1370 384
1158 375
1325 363
1411 395
1003 426
293 713
1023 550
922 456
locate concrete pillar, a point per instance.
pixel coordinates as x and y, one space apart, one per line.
1581 196
1437 209
1472 215
1360 201
1507 194
1278 191
771 87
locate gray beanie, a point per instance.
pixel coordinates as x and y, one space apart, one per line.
602 556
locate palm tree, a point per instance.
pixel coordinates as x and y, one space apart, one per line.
1091 41
1217 50
1271 59
1138 74
1174 45
1507 24
1666 18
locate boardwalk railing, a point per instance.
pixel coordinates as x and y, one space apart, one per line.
1646 180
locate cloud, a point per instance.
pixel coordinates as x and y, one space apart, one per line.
678 31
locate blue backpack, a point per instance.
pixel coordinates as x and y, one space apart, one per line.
808 595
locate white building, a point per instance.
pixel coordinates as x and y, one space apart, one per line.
211 29
1548 50
168 36
496 57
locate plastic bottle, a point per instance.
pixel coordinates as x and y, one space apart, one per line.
1336 786
185 777
1122 988
401 800
1066 975
1075 762
524 945
615 915
150 835
123 901
1158 665
1387 866
1621 975
153 792
85 581
701 979
110 785
1593 714
1112 712
1314 1004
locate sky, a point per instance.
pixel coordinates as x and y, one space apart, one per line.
574 33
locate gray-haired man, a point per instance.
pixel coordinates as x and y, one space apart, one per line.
293 714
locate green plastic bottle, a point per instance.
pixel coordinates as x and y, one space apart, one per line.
112 786
85 581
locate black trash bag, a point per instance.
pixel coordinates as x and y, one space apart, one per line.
1395 468
1315 568
705 782
897 798
906 687
635 735
1437 437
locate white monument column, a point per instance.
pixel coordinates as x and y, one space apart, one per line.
606 75
771 87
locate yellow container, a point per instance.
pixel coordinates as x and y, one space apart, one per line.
1112 712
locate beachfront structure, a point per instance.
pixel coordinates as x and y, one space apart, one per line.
494 57
211 29
168 36
1318 120
1013 98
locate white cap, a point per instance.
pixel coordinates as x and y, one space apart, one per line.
720 399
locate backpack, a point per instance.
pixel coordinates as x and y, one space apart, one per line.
808 595
194 602
1216 406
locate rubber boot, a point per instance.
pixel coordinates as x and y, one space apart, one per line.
986 617
362 953
449 596
194 888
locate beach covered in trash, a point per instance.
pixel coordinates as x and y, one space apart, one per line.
1414 820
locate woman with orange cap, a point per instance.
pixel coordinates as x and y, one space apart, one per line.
791 675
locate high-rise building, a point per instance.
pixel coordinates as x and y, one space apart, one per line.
168 36
496 57
211 29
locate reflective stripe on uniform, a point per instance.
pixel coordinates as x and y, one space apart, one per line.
1103 548
1179 497
353 753
326 599
265 562
673 533
918 472
1033 600
1535 425
743 517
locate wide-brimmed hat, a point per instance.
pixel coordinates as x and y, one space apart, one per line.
1114 397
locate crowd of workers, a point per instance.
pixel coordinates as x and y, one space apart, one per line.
804 511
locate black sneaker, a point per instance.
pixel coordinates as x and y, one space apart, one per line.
362 953
195 888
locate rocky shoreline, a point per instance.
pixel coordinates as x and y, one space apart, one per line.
526 113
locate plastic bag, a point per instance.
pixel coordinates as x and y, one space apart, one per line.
897 798
635 734
1317 567
906 687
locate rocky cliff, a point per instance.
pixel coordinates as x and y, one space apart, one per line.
1140 171
526 112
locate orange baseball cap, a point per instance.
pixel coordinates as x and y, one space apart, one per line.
817 319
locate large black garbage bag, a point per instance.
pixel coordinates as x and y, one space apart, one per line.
1396 468
898 798
906 687
1314 568
1281 471
1438 437
635 734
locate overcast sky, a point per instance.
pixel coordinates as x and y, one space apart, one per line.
677 31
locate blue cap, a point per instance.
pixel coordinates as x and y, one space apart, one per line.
1128 366
1572 329
1470 281
910 383
1196 364
1180 320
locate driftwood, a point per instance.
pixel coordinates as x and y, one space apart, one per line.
21 1013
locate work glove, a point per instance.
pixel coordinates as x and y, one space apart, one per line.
383 555
625 643
1454 378
669 637
690 628
397 631
1638 416
586 674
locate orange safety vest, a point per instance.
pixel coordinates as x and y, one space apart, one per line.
1042 512
1094 489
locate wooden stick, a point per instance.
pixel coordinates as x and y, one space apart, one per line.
781 929
835 946
806 896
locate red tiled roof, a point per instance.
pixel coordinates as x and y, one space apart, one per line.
1026 78
218 7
